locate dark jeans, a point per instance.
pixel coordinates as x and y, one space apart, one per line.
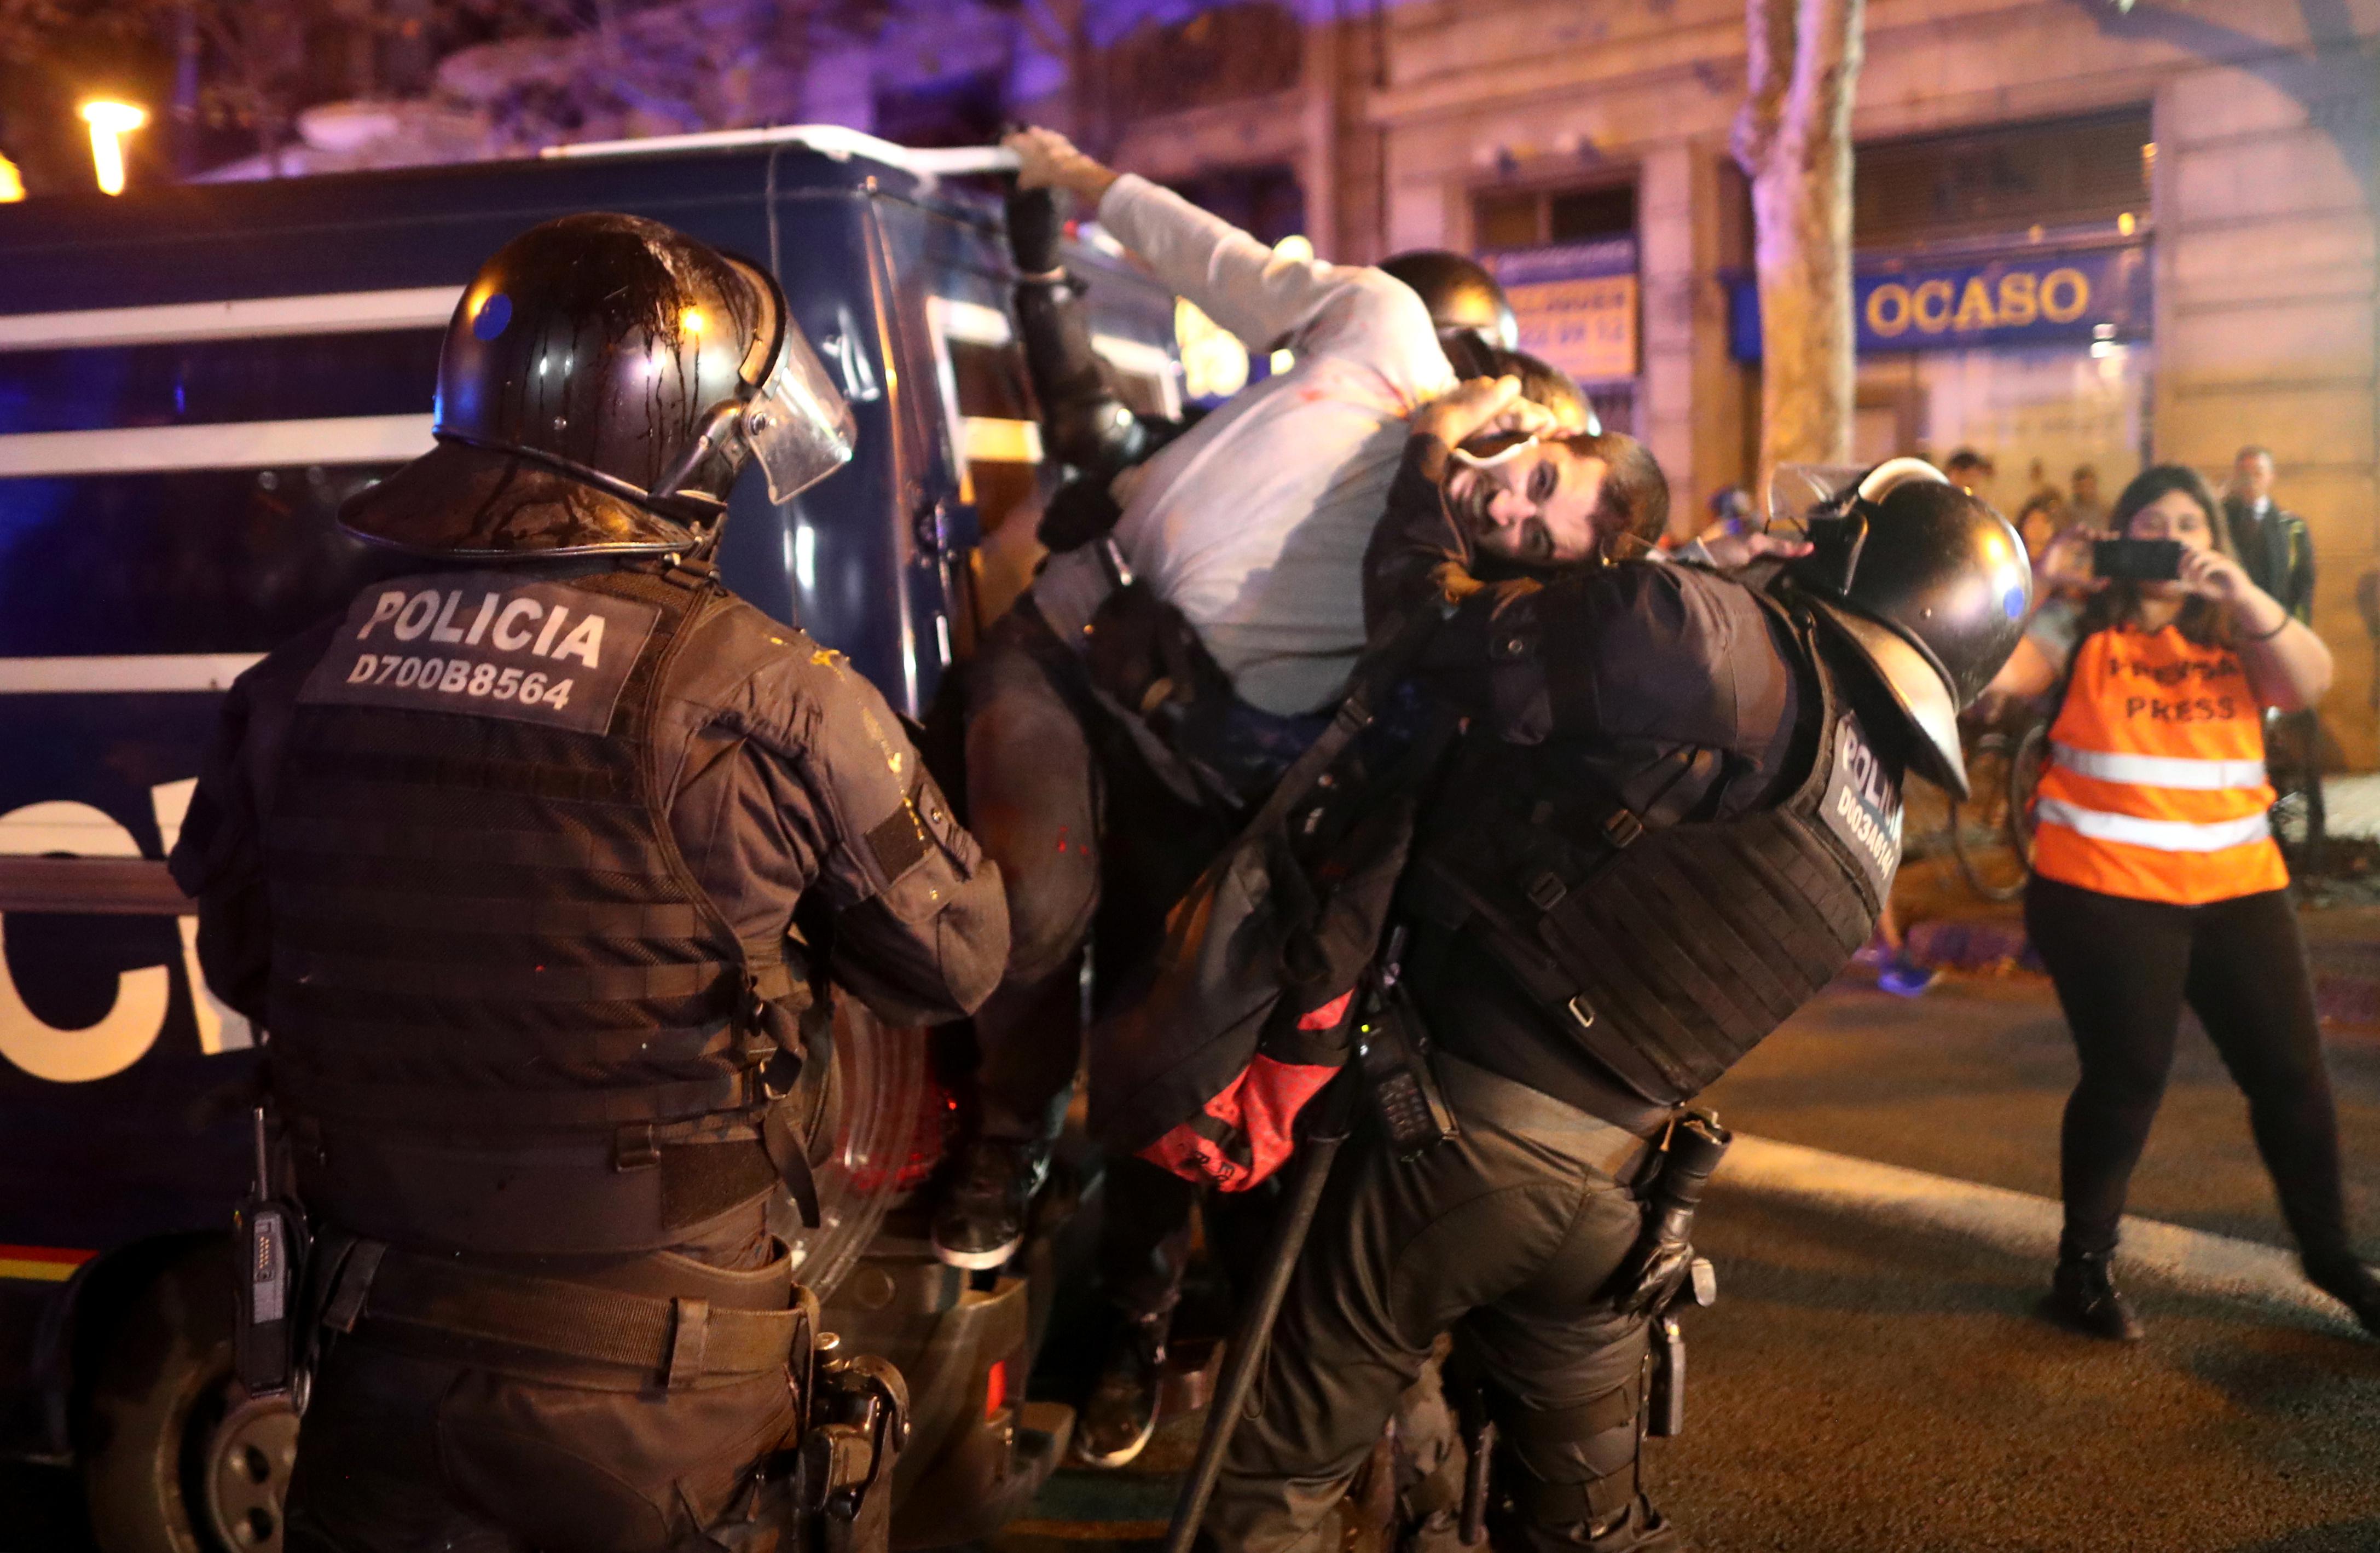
1505 1236
1037 799
2124 968
1034 801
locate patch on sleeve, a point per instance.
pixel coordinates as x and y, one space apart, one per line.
1862 804
485 644
900 842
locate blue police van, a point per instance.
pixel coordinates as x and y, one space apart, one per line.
192 380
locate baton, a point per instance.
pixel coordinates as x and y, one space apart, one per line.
1320 1147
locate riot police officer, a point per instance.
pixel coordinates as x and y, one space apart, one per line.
1673 815
1473 316
507 861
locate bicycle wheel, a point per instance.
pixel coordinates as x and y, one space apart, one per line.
2023 777
2292 745
1979 826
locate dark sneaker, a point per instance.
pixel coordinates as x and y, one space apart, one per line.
982 1221
2348 1281
1122 1412
1642 1529
2082 1295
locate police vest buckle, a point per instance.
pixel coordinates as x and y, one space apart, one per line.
633 1147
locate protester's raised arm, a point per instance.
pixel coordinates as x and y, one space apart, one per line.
1239 282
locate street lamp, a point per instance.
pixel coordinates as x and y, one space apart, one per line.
110 122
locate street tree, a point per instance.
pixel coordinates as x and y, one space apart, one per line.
1794 139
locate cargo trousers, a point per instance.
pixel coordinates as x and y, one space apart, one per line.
417 1442
1506 1236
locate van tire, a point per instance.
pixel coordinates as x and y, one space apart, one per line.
163 1420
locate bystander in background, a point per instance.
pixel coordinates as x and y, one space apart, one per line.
2273 545
1971 471
2086 508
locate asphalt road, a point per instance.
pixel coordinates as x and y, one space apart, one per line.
1971 1079
1860 1390
1863 1389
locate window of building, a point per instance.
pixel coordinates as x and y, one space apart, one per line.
2063 172
1506 219
1267 201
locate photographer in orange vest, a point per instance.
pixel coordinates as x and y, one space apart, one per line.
2156 880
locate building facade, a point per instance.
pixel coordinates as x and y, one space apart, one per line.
2086 237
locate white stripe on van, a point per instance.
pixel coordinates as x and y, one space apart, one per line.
340 312
102 676
345 439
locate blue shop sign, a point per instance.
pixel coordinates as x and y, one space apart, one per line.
2032 298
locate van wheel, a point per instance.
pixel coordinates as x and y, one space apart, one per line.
178 1459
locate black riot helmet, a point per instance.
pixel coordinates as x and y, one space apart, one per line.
605 380
1930 586
1462 298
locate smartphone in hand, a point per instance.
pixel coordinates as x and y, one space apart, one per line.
2136 560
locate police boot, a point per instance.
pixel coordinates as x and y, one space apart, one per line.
1122 1412
983 1220
2083 1296
2344 1277
1637 1527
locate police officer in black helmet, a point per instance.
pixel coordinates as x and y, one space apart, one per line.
1464 301
1674 813
507 861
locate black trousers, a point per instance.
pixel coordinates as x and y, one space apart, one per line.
1504 1236
2124 969
410 1447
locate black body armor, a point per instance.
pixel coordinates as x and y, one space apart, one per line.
506 1017
1664 951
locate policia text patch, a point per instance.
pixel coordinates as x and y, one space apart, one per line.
1862 804
486 644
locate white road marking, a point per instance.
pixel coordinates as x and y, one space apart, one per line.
2021 1224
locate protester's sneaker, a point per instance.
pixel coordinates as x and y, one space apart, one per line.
1122 1413
1876 954
1905 978
2348 1281
2082 1295
982 1221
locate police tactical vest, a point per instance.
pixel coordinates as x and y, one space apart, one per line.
504 1016
1666 953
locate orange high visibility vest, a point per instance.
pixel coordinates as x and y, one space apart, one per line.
2155 786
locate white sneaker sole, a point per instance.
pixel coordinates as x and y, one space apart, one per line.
1118 1458
977 1261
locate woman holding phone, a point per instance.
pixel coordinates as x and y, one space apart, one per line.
2156 880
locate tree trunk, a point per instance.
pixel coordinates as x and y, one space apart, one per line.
1794 139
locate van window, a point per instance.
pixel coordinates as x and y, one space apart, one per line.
184 561
211 382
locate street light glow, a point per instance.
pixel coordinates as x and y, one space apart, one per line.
110 122
12 182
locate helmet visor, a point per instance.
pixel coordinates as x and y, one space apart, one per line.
798 425
1795 491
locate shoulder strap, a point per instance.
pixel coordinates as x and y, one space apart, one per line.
1384 663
